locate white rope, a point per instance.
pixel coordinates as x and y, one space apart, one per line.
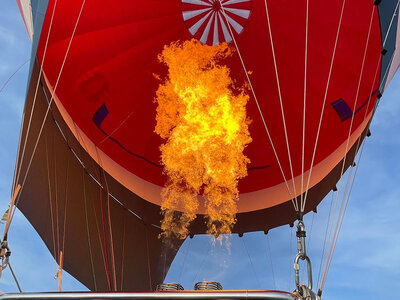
304 109
342 217
50 204
91 175
13 74
335 233
381 86
329 244
326 262
384 44
115 129
348 189
88 231
324 248
290 257
280 97
202 262
348 196
309 236
271 262
51 99
251 263
323 105
36 91
184 261
295 204
356 97
351 123
390 24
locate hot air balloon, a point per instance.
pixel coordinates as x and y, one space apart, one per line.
88 164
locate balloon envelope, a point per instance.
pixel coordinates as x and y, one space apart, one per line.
316 70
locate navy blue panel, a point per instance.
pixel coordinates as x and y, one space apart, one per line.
100 115
386 10
342 109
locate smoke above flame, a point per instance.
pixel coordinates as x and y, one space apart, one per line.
202 117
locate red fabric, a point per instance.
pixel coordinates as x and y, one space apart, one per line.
113 57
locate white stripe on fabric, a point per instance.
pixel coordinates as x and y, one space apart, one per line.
234 2
227 35
196 26
244 13
187 15
216 34
27 15
198 2
206 32
238 28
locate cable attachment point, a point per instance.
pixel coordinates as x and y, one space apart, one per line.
5 253
304 291
306 294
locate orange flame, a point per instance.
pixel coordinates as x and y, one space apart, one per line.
203 118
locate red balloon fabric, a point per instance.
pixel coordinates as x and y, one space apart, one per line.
324 60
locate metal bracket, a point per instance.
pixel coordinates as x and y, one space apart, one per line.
307 294
5 253
305 291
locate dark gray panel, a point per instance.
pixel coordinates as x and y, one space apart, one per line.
388 18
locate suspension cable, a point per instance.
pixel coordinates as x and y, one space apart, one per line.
280 98
50 203
12 75
15 278
114 277
325 239
88 231
340 218
347 196
251 263
390 24
184 260
202 262
304 108
104 255
323 104
123 255
293 198
270 261
349 133
290 257
17 172
51 100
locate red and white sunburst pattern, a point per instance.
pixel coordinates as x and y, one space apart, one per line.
207 22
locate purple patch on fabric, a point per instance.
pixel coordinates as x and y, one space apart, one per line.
100 115
342 109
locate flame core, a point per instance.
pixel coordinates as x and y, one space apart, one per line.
203 118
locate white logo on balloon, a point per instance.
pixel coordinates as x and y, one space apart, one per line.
205 18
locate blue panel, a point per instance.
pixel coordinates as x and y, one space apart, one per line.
39 8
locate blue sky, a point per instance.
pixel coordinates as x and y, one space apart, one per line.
366 263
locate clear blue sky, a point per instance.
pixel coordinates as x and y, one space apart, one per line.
366 263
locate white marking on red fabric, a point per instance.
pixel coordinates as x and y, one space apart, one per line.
204 21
